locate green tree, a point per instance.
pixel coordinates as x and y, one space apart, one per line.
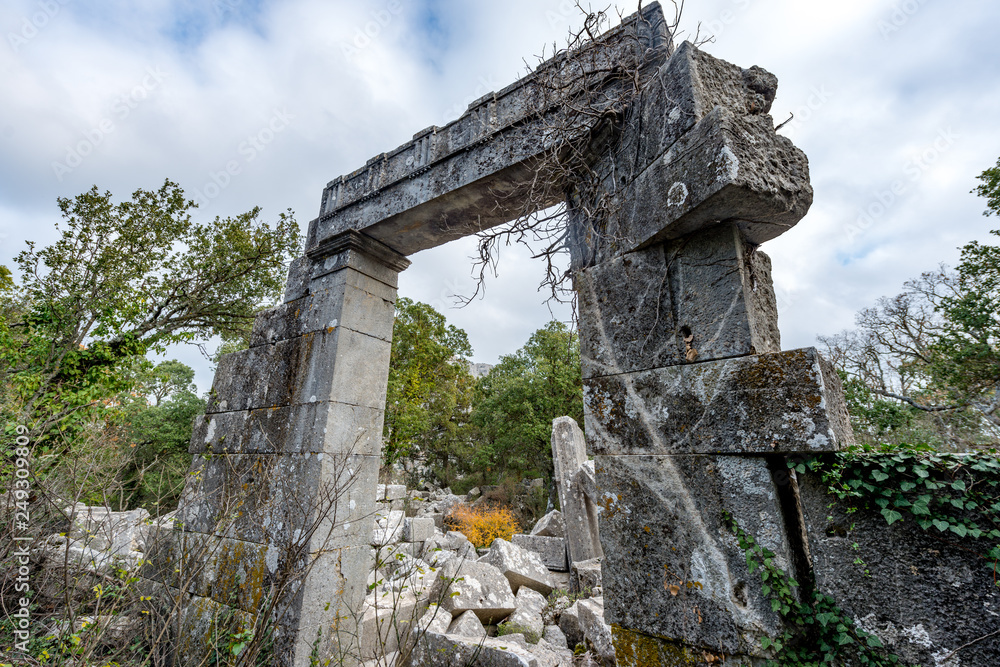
517 401
430 391
125 279
157 426
924 366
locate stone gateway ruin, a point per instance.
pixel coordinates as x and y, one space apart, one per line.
690 402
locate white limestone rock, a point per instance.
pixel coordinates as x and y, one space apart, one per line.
520 566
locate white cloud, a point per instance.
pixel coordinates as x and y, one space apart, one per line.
884 98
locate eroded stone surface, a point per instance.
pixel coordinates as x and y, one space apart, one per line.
521 566
668 510
569 452
784 402
638 310
478 587
550 525
924 597
552 550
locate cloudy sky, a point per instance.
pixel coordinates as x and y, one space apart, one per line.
896 103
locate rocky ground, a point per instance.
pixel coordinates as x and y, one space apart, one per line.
433 600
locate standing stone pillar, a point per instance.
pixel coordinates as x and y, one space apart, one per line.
569 452
686 394
281 498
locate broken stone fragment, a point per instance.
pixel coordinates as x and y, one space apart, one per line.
550 525
478 587
528 615
552 550
555 636
595 630
569 623
467 625
418 529
585 575
520 566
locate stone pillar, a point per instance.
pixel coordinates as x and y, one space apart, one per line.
281 496
686 395
569 453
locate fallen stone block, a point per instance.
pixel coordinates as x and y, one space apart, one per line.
553 635
418 529
467 625
550 525
569 623
478 587
440 650
595 630
521 566
101 529
551 549
388 528
435 620
528 615
387 623
585 575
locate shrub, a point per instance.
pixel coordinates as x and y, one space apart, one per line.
482 524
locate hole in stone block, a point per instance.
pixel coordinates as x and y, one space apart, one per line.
740 593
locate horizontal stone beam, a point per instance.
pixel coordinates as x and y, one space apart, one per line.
781 402
453 181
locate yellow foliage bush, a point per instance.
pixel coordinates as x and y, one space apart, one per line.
482 524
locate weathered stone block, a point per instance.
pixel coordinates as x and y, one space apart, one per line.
467 625
667 511
522 567
275 499
551 550
528 615
417 529
550 525
726 167
785 402
314 367
569 452
478 587
923 595
321 427
585 575
346 299
595 630
709 292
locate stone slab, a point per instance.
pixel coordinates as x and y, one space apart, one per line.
469 169
923 593
552 550
550 525
637 309
783 402
569 452
726 167
666 545
522 567
478 587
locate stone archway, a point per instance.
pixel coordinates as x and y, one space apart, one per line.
687 392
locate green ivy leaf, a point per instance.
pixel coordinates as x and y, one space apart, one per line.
891 516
